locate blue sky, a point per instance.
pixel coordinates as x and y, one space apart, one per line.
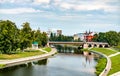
71 16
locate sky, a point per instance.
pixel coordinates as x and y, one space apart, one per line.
71 16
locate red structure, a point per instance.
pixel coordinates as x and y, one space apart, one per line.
88 36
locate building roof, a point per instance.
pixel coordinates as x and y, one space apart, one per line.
34 42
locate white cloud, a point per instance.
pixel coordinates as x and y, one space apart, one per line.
18 11
41 1
87 5
15 1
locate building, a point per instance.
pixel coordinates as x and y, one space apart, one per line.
76 37
86 37
59 32
34 45
79 36
54 32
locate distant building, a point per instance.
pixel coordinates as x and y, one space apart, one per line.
54 32
87 36
76 37
59 32
79 36
34 45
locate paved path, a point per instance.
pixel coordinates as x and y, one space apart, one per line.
19 61
116 74
43 51
108 65
114 54
112 49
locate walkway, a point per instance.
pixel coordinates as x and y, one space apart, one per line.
108 65
19 61
114 54
116 74
43 51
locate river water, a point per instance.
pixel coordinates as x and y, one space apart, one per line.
62 64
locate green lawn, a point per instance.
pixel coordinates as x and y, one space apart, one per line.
115 64
100 65
48 49
115 59
27 53
104 51
20 55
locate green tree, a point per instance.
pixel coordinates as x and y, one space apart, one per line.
112 38
44 38
38 37
8 37
95 39
25 36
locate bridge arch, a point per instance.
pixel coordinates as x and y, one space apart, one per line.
100 46
95 45
89 45
106 46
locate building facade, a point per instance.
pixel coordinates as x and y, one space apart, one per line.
86 37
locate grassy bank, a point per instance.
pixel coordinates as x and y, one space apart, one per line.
100 65
26 53
115 64
20 54
115 60
48 49
104 51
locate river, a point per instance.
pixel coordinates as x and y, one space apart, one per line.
62 64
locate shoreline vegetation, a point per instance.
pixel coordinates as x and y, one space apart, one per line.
101 62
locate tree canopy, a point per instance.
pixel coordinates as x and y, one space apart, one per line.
111 37
12 38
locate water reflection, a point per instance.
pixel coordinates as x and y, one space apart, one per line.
67 49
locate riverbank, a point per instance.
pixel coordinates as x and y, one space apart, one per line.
103 67
113 55
18 61
26 53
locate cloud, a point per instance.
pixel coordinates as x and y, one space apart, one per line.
42 1
18 11
15 1
87 5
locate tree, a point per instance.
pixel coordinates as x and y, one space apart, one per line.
38 37
25 36
8 37
112 38
102 37
44 38
95 38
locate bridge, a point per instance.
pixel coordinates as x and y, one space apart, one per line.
83 44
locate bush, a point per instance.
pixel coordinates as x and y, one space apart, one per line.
100 65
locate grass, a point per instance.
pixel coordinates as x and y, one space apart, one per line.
2 65
104 51
20 55
48 49
115 64
100 65
117 48
115 60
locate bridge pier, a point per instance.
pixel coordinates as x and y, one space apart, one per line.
85 46
97 45
103 46
48 44
92 45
